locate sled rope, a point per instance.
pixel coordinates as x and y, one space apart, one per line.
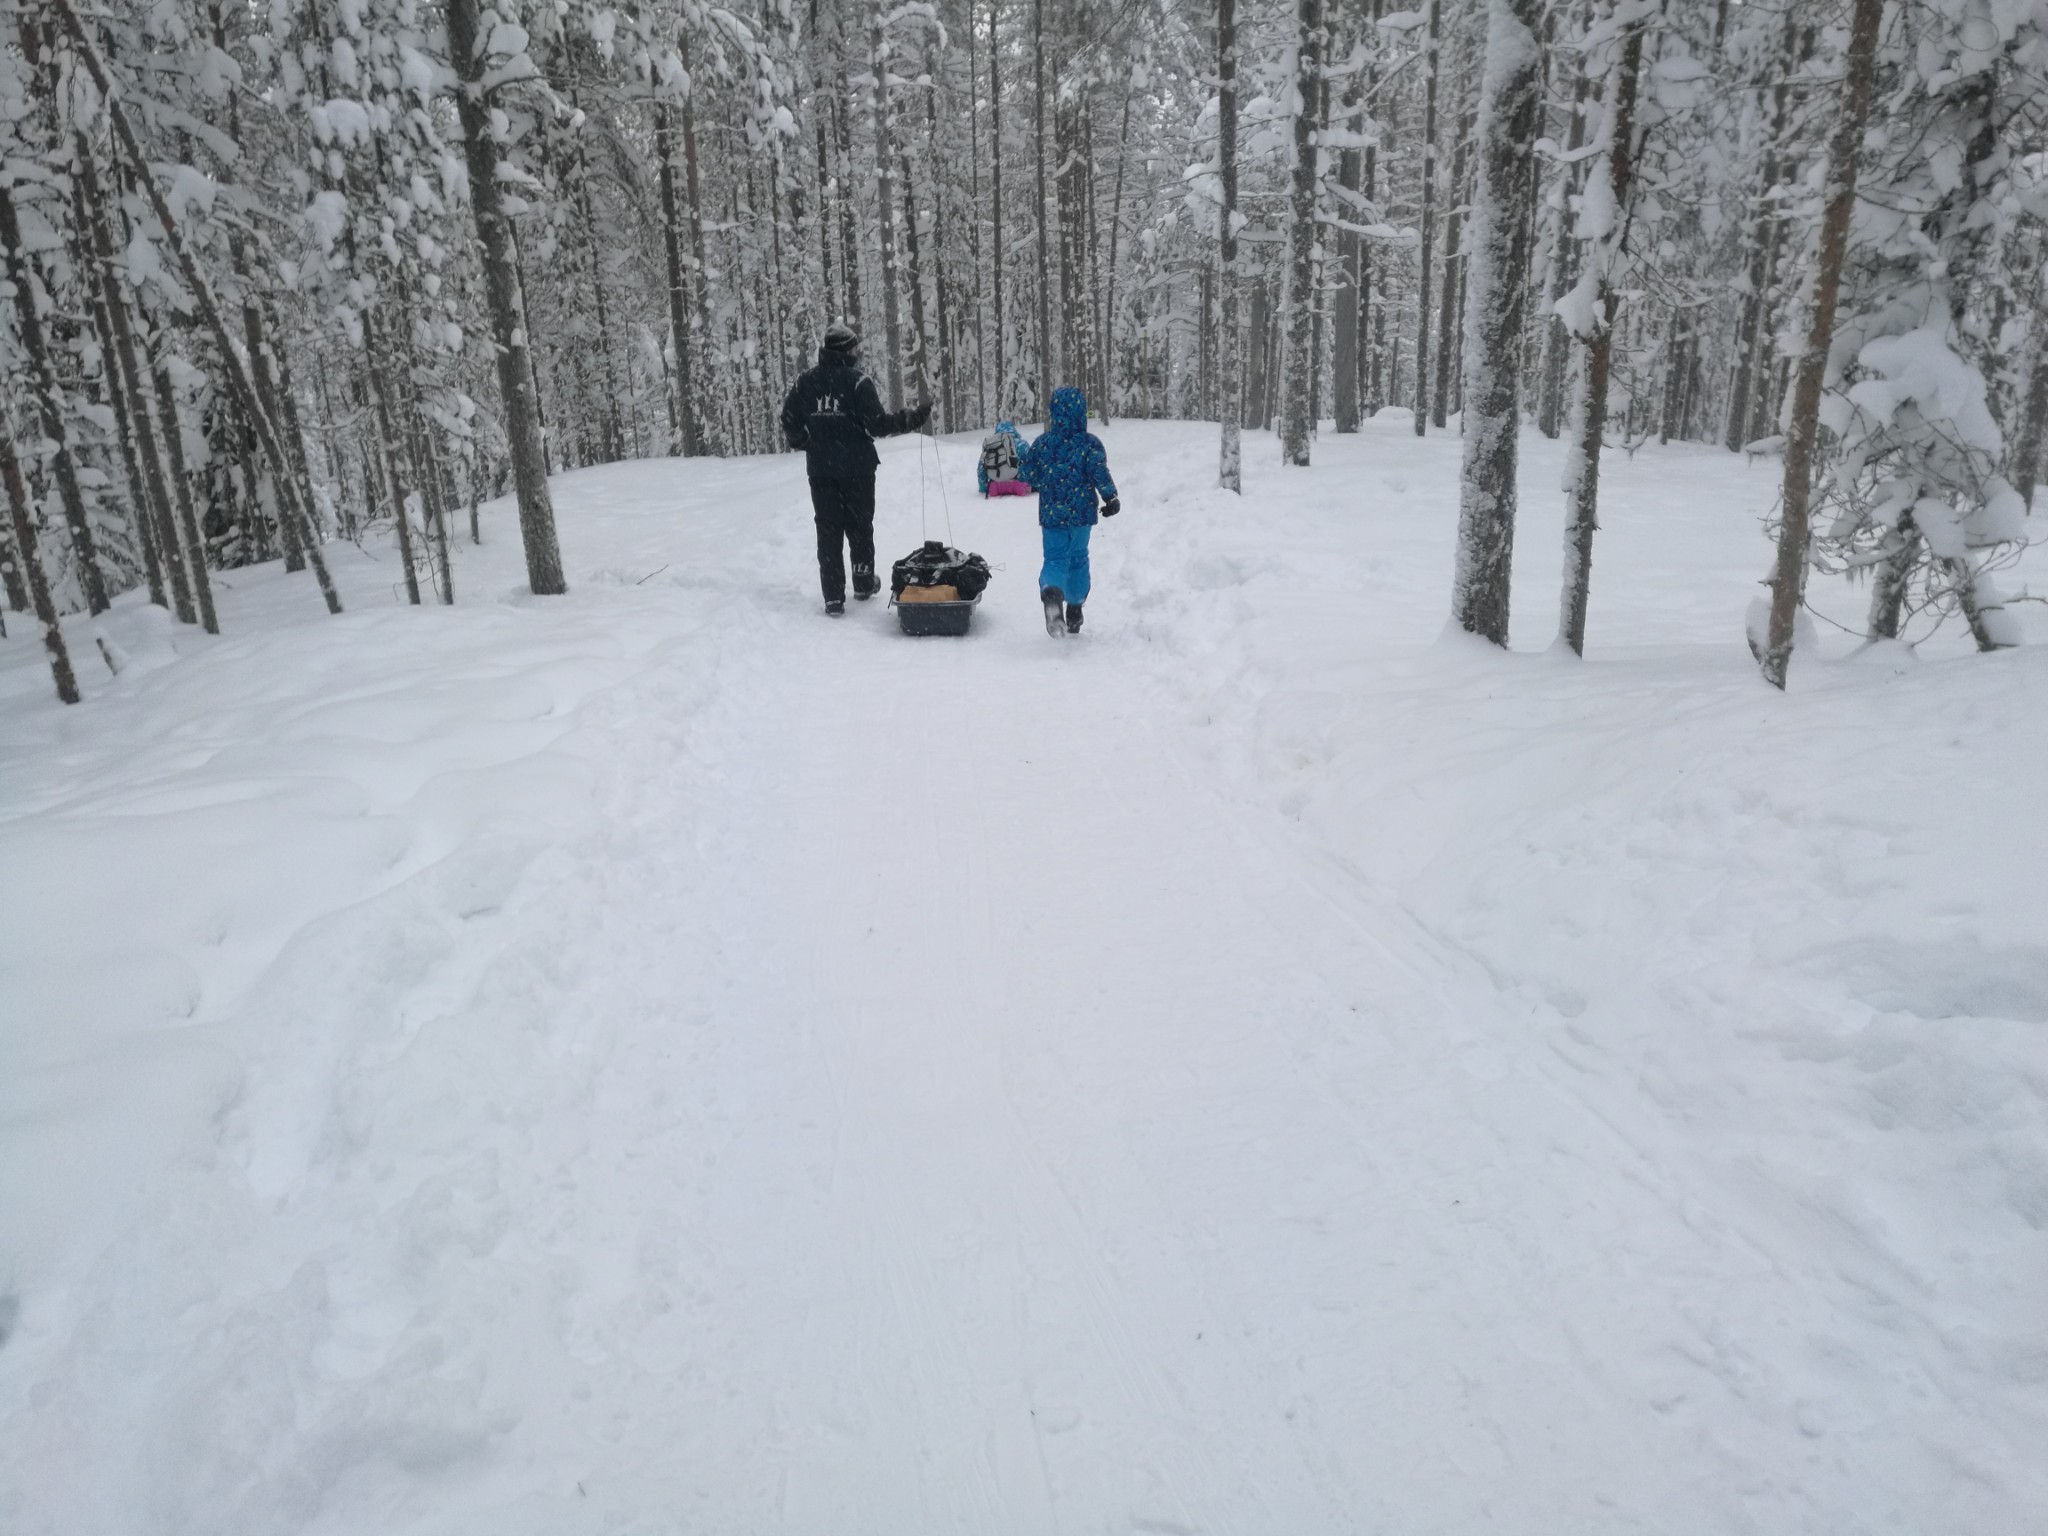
923 491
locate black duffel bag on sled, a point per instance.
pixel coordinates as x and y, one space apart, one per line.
935 589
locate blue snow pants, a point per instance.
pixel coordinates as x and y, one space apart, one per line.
1066 561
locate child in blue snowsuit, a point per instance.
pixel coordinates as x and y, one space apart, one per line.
1068 469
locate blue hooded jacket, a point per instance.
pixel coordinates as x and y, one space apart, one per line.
1066 465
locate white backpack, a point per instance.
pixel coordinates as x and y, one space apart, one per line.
999 457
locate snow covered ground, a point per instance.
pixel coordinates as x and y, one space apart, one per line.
662 1061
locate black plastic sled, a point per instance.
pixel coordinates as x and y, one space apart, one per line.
935 590
941 618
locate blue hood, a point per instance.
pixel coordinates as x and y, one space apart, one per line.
1069 410
1007 428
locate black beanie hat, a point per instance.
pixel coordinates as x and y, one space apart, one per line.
840 337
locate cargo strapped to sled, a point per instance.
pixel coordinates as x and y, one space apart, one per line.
935 565
934 590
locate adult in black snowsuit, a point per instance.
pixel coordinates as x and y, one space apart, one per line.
834 413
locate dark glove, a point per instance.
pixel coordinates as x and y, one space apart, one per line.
1111 507
919 415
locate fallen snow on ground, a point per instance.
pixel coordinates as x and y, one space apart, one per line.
658 1060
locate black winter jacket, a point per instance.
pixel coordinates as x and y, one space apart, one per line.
834 413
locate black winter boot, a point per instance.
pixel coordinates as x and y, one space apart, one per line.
865 584
1073 618
1055 602
835 606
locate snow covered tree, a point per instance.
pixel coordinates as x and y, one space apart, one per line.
1773 645
1605 218
1509 103
1230 365
1297 423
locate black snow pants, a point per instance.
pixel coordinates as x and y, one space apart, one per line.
844 507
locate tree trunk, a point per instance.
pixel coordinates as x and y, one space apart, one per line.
1230 362
1453 280
29 559
375 371
1752 327
50 409
1116 222
13 575
151 495
835 303
885 200
1561 272
700 275
996 236
201 292
1044 211
849 242
1431 49
592 241
1260 381
139 509
1889 580
1345 363
941 281
687 443
2026 452
1071 189
1372 317
193 541
1590 422
1296 426
502 293
1510 112
1845 148
920 355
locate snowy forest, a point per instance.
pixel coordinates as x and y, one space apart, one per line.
285 272
1499 984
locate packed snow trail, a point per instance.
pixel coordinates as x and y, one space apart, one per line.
708 1067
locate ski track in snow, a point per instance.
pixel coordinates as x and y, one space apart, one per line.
659 1060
